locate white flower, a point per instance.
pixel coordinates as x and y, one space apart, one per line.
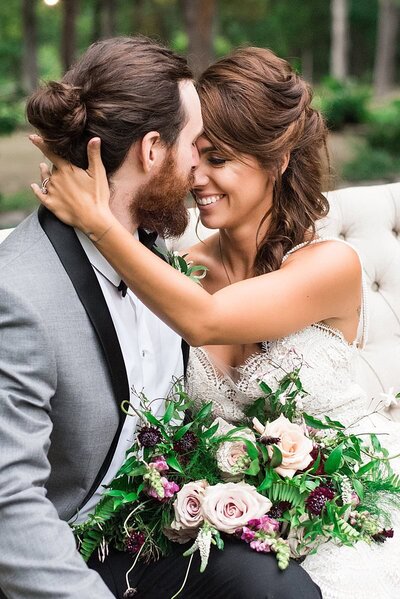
390 399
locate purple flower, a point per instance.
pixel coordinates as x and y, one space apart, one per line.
159 464
170 488
261 546
316 500
134 542
265 523
247 534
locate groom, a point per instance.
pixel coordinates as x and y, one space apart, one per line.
74 343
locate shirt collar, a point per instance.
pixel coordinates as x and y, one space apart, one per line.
97 259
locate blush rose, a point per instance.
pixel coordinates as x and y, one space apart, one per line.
294 445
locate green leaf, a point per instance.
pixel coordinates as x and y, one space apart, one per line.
173 462
152 419
270 477
334 460
276 459
334 423
169 412
366 468
210 432
358 488
251 449
182 431
315 422
316 464
204 412
254 468
264 387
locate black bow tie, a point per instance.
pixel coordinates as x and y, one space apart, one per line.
148 239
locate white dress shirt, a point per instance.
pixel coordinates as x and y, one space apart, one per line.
151 350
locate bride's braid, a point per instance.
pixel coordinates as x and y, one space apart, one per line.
254 103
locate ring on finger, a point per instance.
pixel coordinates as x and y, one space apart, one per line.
44 185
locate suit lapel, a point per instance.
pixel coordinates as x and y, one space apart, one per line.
80 271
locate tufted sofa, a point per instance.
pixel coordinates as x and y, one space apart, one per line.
369 218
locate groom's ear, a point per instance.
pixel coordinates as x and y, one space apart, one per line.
151 151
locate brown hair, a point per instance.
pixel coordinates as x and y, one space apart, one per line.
254 103
119 90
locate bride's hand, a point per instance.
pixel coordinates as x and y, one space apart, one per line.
78 197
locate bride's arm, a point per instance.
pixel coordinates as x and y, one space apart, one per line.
320 284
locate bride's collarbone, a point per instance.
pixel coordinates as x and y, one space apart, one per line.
233 356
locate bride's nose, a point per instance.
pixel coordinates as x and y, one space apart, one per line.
200 177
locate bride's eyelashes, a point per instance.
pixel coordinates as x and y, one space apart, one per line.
217 161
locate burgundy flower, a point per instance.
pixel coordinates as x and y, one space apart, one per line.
316 500
149 436
384 534
278 508
186 444
134 542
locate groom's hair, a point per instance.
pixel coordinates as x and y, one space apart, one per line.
119 90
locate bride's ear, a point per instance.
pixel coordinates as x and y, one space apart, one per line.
151 151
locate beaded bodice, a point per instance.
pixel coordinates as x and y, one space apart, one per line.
327 372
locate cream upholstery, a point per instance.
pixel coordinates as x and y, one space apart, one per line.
368 218
4 233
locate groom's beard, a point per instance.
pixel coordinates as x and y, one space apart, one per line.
159 205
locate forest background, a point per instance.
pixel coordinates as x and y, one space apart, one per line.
347 49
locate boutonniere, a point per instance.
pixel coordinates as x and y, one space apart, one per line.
195 272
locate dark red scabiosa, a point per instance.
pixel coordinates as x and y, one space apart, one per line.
134 542
383 535
149 436
316 500
187 444
270 440
278 508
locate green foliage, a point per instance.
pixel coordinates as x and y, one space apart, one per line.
12 115
384 128
342 103
372 164
22 200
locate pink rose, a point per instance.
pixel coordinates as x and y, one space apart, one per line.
232 456
229 506
295 446
187 506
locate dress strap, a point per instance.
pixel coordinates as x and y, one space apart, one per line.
362 330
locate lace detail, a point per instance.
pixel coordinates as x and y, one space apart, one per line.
327 374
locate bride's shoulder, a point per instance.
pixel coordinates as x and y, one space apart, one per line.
203 253
328 253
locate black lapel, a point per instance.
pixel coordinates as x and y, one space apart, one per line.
76 264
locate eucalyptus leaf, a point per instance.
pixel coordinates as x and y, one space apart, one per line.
315 422
254 468
173 463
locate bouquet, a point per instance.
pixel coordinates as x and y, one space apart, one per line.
283 482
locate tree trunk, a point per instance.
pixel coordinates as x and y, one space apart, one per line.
339 39
385 57
108 18
29 59
199 17
68 37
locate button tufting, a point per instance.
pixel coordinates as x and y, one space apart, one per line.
342 236
375 286
395 232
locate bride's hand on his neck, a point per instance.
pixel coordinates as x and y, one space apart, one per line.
80 198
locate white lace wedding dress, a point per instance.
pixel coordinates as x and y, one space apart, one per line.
327 373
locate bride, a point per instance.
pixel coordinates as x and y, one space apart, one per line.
274 290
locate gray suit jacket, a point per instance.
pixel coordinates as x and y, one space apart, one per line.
62 379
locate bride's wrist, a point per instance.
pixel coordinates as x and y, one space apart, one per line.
98 228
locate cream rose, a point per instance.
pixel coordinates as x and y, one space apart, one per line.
293 443
229 506
232 456
187 506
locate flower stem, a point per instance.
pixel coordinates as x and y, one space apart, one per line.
185 580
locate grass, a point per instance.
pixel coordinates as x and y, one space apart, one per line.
21 200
